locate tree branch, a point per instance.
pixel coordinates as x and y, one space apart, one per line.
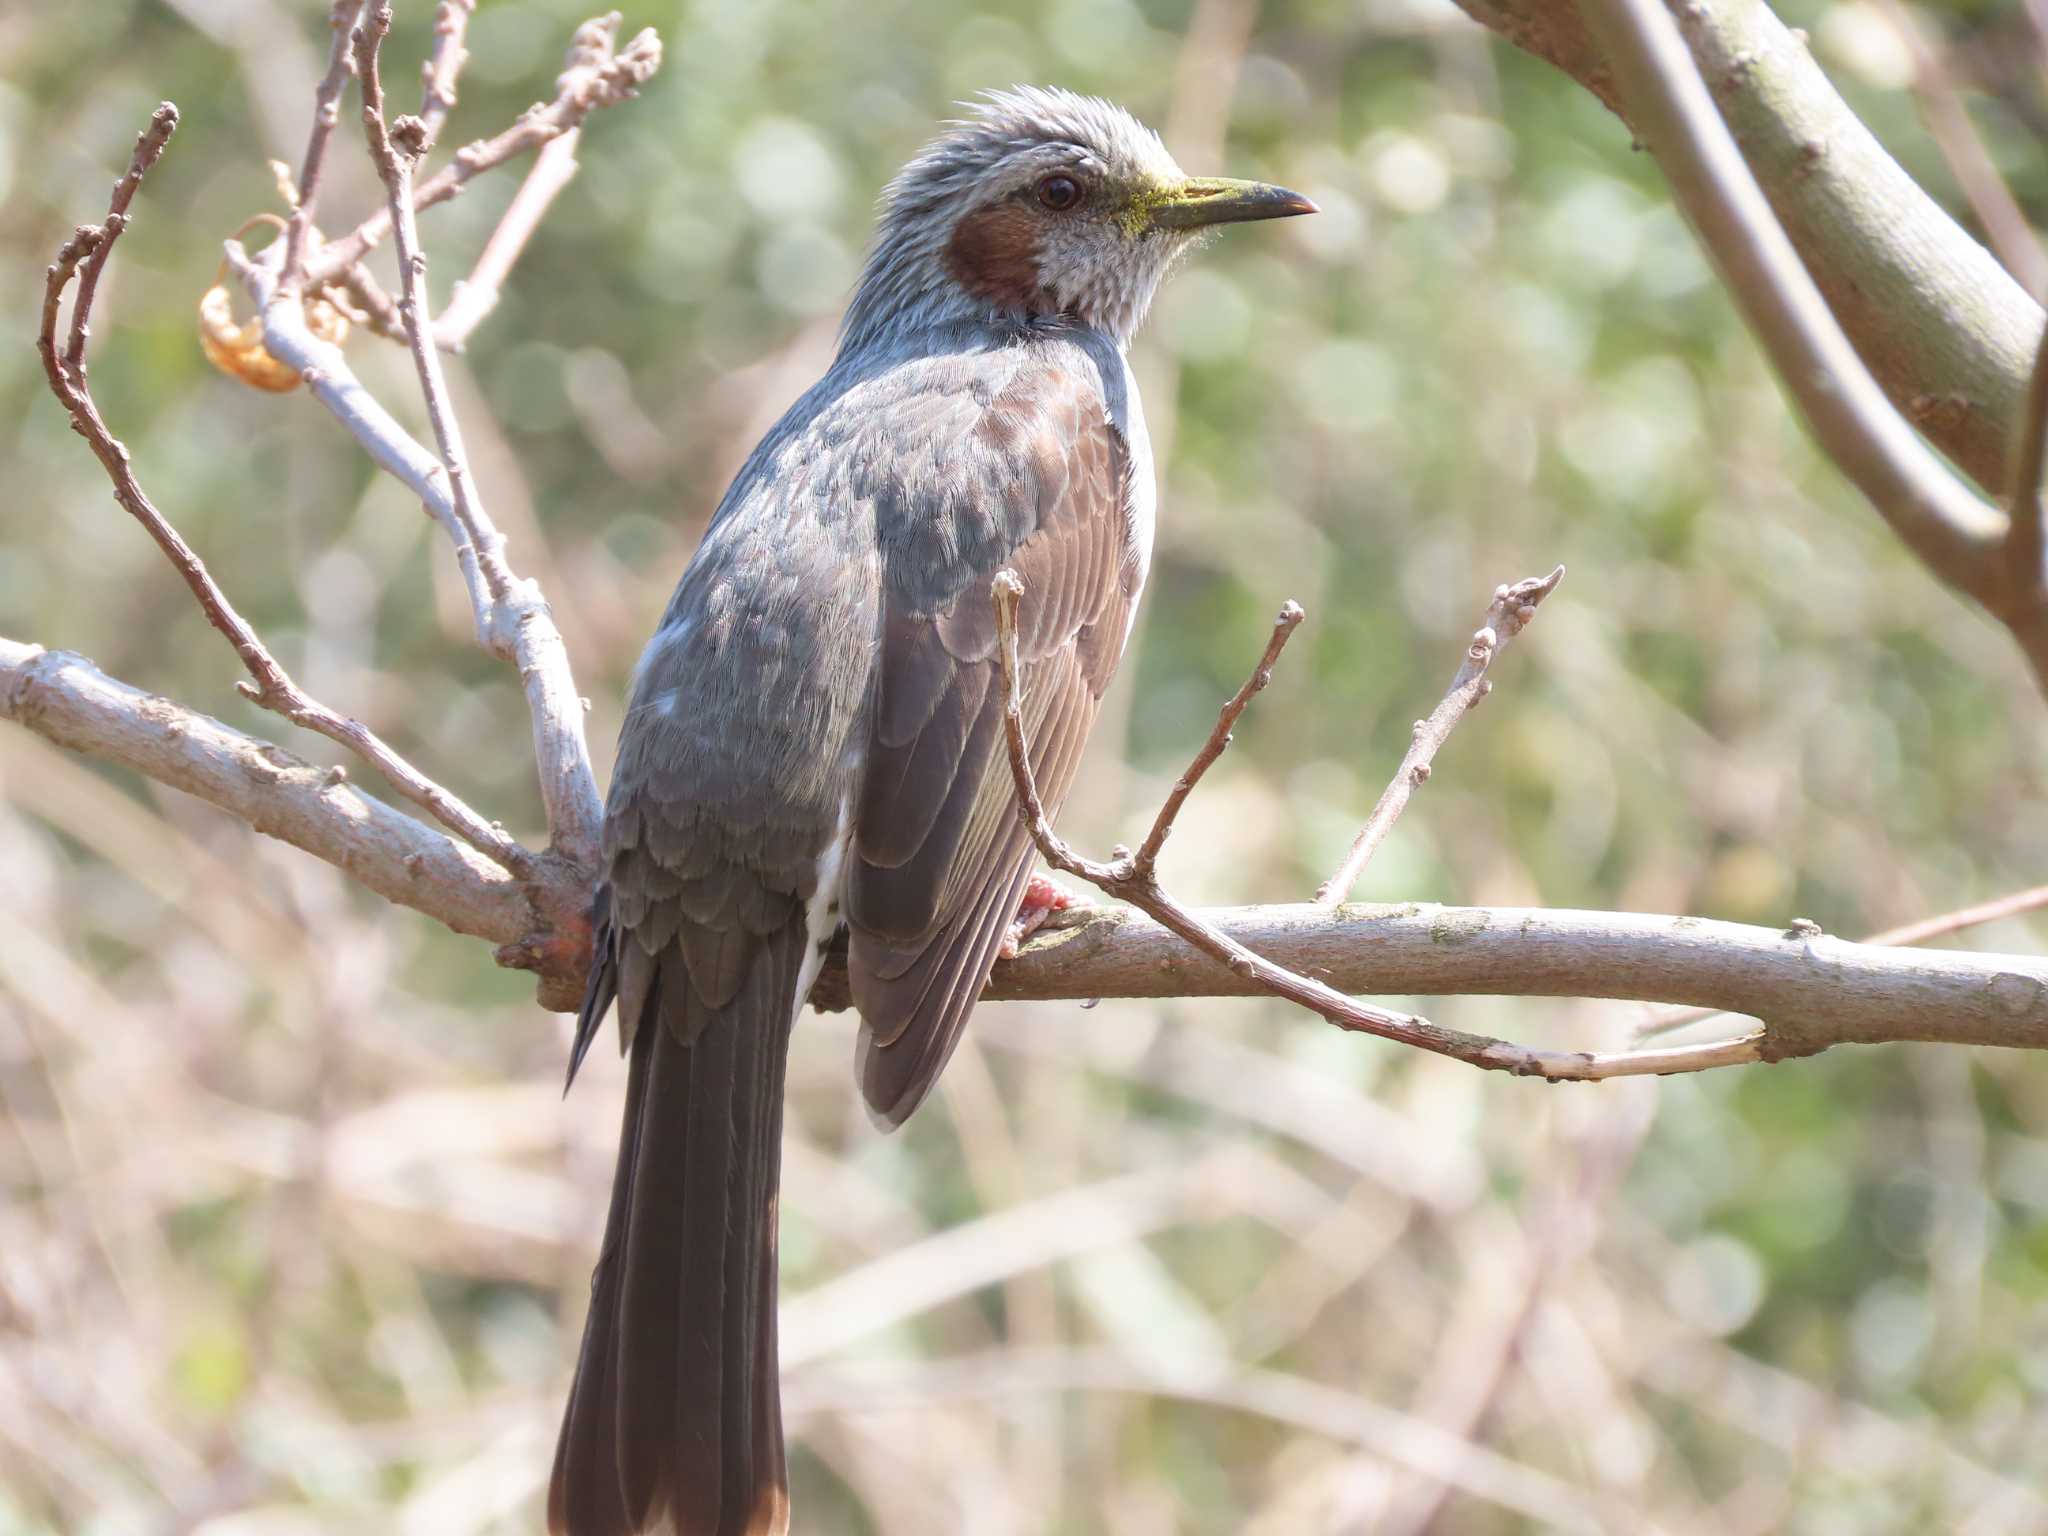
2026 561
475 296
1943 327
274 688
605 79
1959 538
1969 159
515 624
1509 614
67 700
443 66
1132 877
341 20
1813 990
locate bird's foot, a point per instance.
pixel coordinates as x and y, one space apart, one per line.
1042 898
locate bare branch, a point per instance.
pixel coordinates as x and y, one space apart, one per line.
274 688
1941 324
1131 877
149 145
1813 990
443 66
1996 910
476 296
1219 738
1926 506
604 79
1999 908
326 113
68 700
515 623
1957 536
1508 615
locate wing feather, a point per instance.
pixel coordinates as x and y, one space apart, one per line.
940 856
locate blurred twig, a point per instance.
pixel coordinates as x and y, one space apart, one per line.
326 113
2025 536
476 296
1955 135
1340 1415
443 66
1509 614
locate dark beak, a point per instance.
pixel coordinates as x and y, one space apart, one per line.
1201 201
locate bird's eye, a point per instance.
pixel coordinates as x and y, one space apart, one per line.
1059 193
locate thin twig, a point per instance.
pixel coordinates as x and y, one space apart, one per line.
273 688
515 623
1124 878
443 66
2028 530
379 309
1976 173
2012 904
608 79
149 145
1508 615
1219 738
326 113
475 296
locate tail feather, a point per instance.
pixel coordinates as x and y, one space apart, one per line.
584 1457
674 1424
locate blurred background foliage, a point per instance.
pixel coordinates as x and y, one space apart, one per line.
296 1228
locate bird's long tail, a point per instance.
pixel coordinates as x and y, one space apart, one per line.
675 1422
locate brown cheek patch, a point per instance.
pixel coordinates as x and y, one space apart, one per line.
994 255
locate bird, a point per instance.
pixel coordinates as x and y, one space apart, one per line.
813 746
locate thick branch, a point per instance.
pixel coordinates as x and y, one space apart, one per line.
1811 990
1943 327
1960 538
68 700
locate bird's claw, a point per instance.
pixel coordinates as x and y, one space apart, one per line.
1043 897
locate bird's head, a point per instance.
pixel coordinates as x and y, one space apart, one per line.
1044 205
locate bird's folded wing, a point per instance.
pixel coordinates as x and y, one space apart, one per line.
940 855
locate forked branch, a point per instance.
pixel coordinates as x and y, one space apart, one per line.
85 253
1133 877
